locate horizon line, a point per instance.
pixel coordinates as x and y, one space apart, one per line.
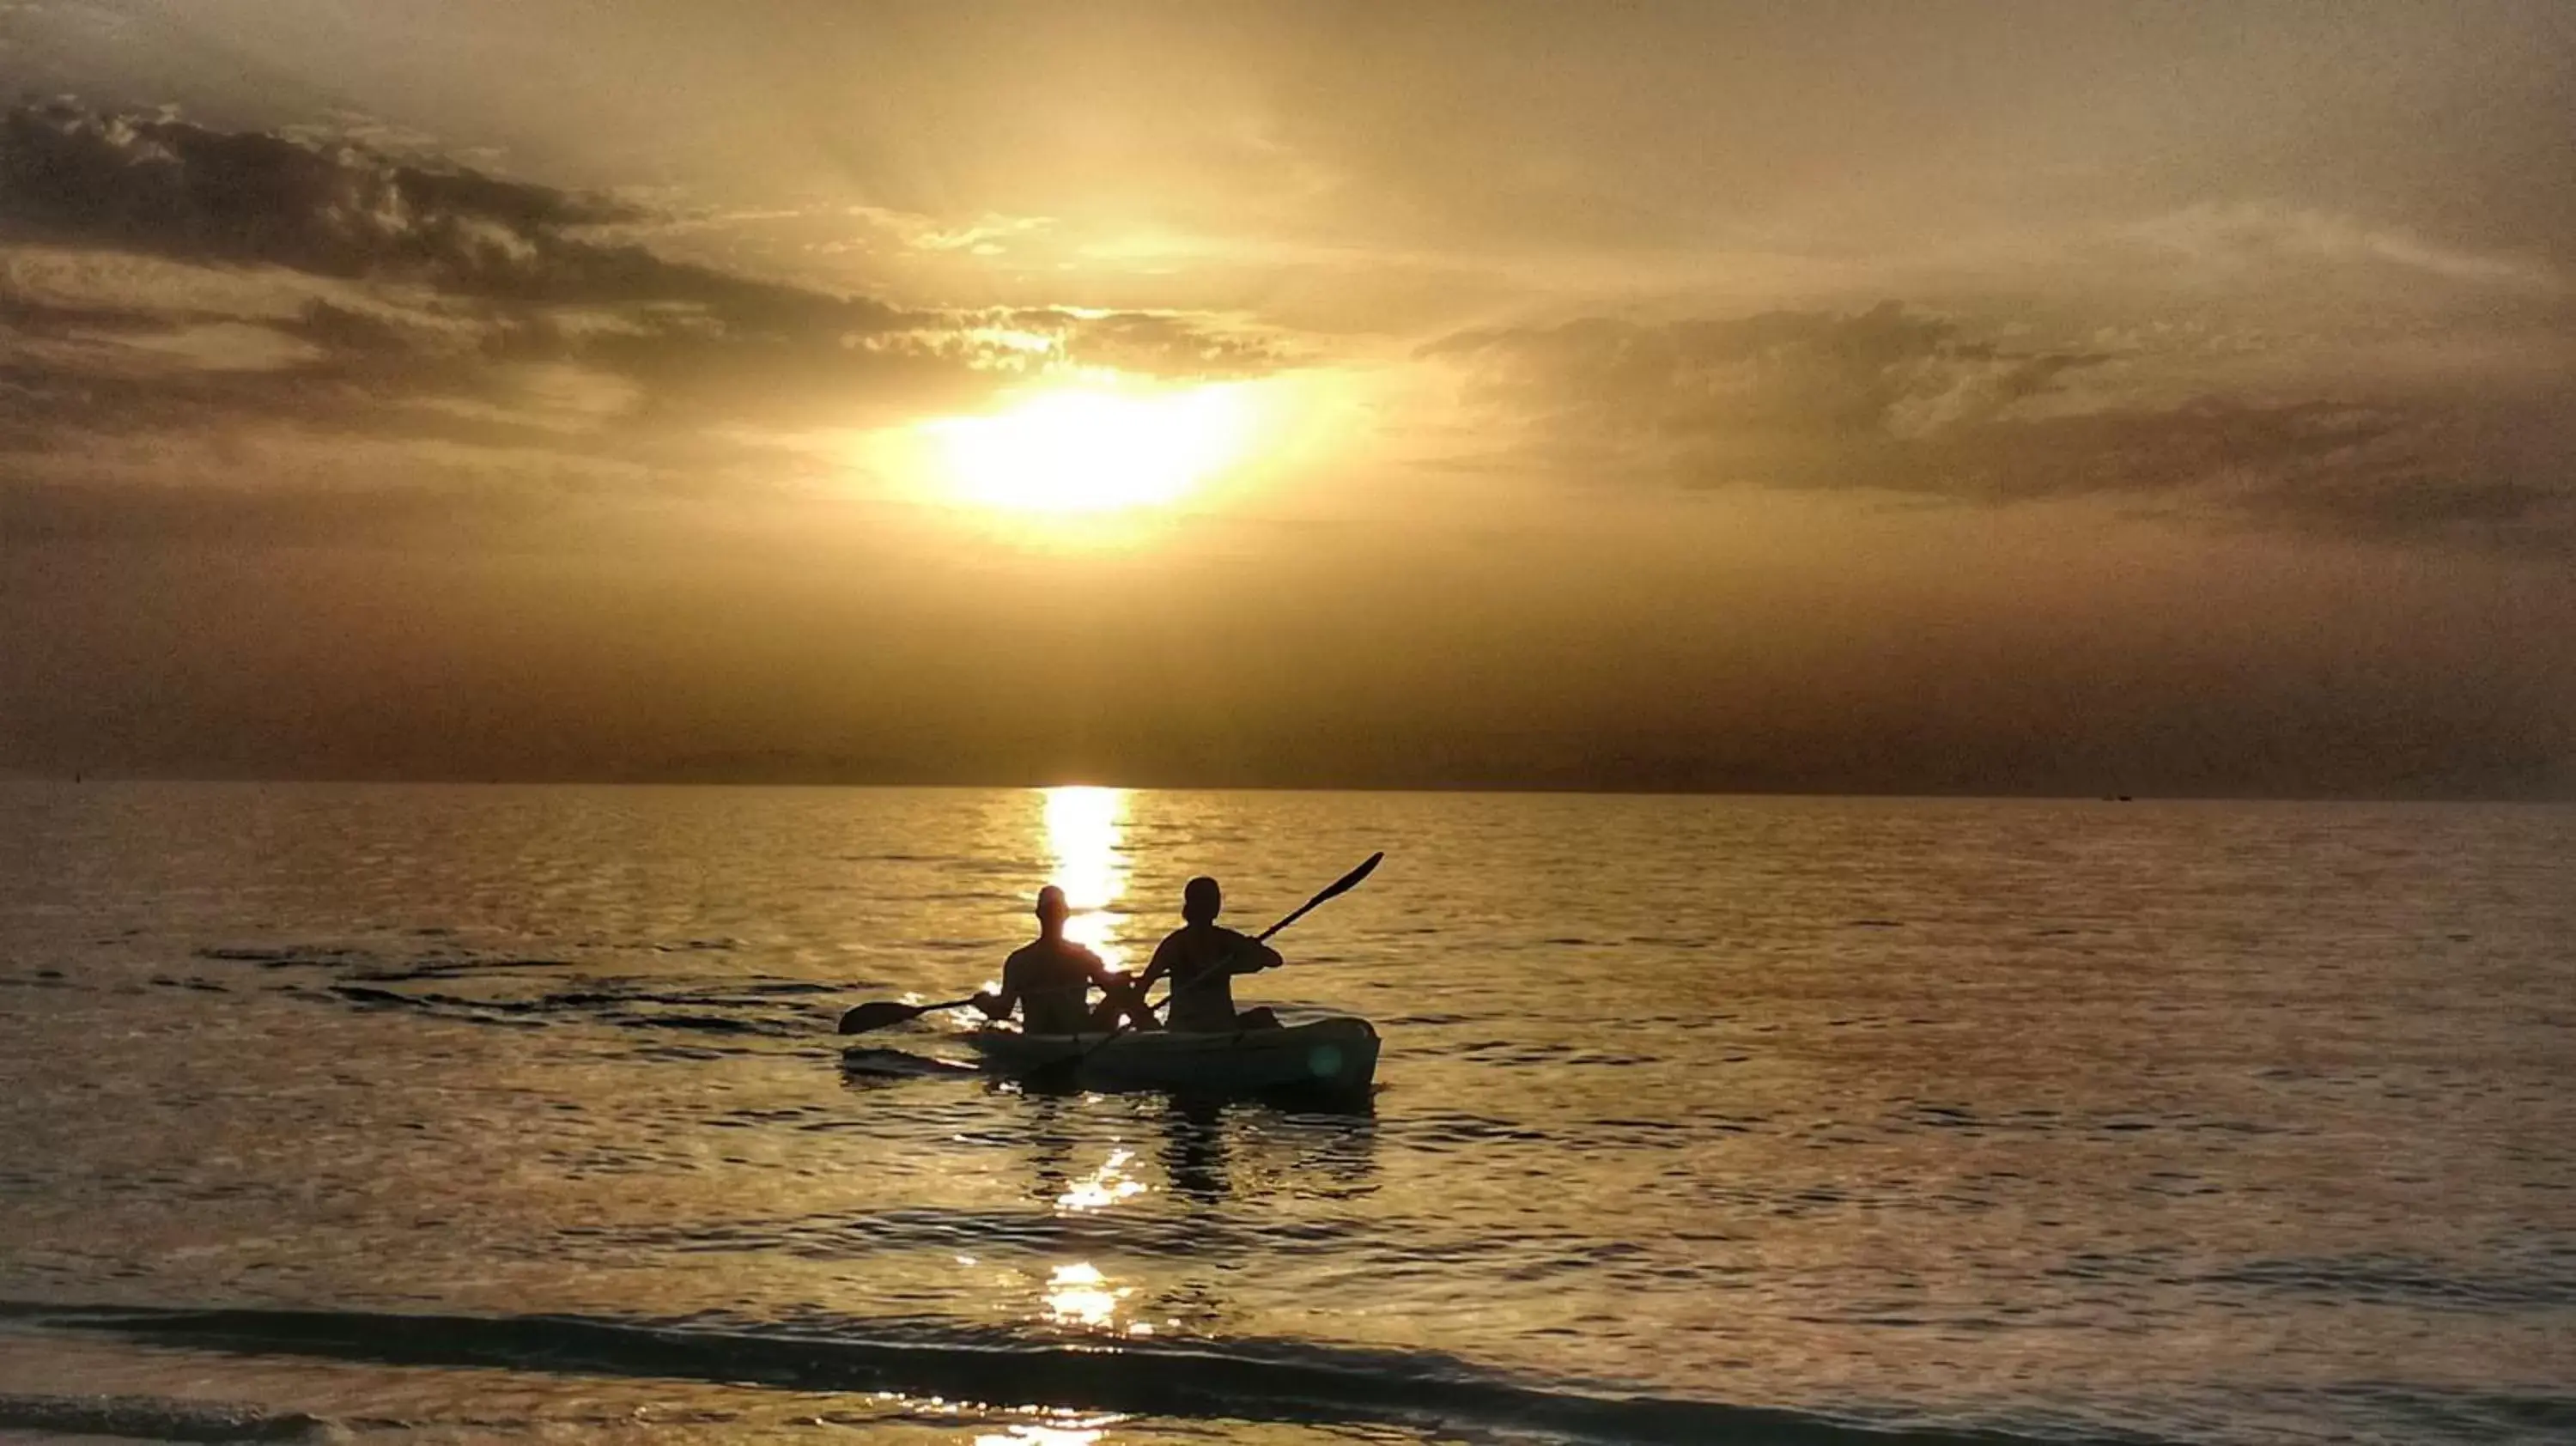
1600 790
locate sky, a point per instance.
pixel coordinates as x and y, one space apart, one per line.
1907 397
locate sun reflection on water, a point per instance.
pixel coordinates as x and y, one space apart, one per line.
1103 1187
1079 1295
1083 832
1081 1431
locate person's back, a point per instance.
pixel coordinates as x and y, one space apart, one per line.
1201 959
1049 981
1052 980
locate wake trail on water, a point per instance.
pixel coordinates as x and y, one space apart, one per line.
1278 1382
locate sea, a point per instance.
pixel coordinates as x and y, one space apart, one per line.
428 1114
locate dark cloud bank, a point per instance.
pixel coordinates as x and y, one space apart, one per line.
1895 400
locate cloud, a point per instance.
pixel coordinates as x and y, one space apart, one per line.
1901 401
34 316
1885 371
163 279
2403 504
2249 237
171 188
1155 343
165 186
160 184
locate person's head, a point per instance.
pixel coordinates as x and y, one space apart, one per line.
1200 900
1051 909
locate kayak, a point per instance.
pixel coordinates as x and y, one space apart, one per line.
1329 1056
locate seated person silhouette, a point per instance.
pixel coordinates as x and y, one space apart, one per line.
1049 981
1201 959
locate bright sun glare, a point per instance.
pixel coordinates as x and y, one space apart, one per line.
1094 448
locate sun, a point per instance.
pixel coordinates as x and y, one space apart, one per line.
1093 447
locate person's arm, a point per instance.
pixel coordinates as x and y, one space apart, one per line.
998 1005
1129 995
1124 991
1251 956
1161 964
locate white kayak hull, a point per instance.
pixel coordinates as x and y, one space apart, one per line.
1329 1056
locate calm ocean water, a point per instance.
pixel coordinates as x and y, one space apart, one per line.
442 1114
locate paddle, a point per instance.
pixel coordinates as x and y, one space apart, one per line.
1332 891
880 1013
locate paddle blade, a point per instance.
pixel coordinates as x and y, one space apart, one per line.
878 1014
1333 890
1351 880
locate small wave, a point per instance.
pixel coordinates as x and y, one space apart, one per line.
772 1008
154 1419
1293 1382
862 1061
460 969
2472 1415
2406 1280
703 1023
290 956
